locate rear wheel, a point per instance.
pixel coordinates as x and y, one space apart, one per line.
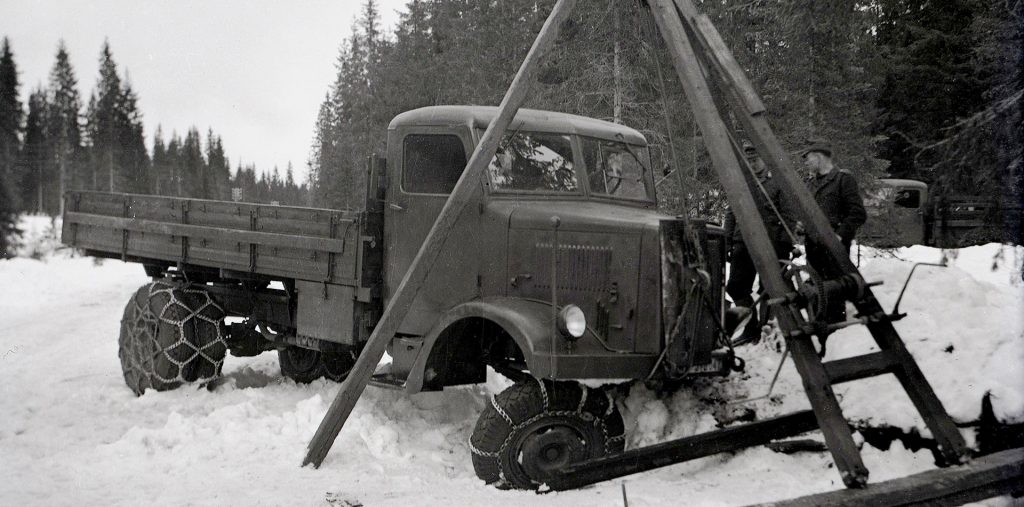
171 333
305 365
537 427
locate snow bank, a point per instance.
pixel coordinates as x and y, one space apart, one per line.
40 237
73 434
965 328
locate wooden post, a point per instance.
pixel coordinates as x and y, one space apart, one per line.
416 275
755 236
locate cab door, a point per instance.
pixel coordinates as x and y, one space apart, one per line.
908 215
426 164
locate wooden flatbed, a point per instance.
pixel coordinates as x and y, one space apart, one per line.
284 242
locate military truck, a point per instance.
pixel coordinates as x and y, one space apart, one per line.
563 270
901 212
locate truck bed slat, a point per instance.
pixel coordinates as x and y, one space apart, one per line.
199 231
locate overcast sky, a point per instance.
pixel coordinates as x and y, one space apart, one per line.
255 71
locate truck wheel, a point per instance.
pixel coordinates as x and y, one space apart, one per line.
536 427
305 365
299 364
170 335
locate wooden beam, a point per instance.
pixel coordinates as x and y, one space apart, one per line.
684 449
465 189
733 72
859 367
986 477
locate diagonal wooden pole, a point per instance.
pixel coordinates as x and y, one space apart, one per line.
416 275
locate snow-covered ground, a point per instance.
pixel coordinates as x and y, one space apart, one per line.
71 432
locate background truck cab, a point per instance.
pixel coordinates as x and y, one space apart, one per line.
896 213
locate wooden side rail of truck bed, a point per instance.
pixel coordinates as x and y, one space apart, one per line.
285 242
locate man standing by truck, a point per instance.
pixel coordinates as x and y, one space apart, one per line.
741 268
838 195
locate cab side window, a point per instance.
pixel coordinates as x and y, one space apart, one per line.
614 169
908 198
433 163
533 162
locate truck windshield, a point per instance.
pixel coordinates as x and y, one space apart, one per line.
534 162
616 169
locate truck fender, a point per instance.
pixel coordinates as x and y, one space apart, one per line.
528 322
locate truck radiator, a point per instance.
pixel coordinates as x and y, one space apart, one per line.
691 275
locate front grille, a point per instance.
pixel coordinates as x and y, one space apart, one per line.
581 268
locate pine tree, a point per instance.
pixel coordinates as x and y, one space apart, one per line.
10 126
11 115
218 169
160 170
321 153
931 79
9 230
193 165
115 130
103 125
63 126
968 137
175 183
133 159
292 194
34 159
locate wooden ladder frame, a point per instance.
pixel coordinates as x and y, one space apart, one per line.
697 50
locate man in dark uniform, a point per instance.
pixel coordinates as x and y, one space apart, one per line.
838 195
741 268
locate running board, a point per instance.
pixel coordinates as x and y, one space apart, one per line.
387 381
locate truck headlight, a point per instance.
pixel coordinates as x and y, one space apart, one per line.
571 322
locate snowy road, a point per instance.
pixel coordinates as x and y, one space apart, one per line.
71 433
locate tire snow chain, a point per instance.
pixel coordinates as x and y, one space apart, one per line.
543 393
501 411
583 399
578 413
611 403
152 324
478 452
195 314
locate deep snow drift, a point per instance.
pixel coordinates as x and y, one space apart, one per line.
72 433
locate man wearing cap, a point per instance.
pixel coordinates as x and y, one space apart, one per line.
838 195
741 268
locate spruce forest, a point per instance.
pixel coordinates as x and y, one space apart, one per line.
921 89
56 141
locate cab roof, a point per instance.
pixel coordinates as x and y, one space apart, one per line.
899 182
531 120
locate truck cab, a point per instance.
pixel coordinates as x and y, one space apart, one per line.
896 211
565 198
